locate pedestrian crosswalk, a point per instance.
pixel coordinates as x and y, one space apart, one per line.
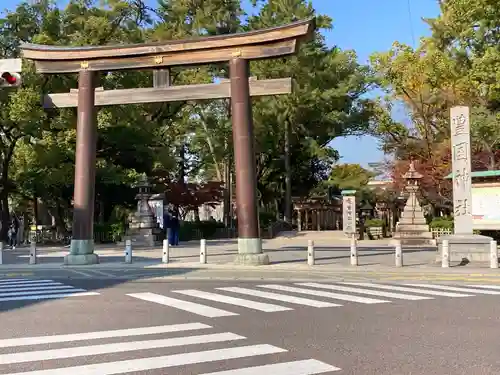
271 298
185 348
34 289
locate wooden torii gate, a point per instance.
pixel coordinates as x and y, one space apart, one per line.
237 49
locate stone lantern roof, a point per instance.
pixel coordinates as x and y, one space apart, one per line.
412 173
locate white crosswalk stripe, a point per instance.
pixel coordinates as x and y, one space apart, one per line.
320 293
494 287
32 289
410 290
288 293
231 348
455 289
25 288
266 307
195 308
44 355
279 297
364 291
309 366
40 340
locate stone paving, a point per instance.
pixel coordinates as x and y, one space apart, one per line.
286 252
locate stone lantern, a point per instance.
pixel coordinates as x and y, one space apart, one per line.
143 227
365 212
412 228
382 209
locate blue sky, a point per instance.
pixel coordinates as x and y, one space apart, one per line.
366 26
369 26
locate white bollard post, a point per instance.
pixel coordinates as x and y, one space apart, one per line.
165 258
33 252
310 253
399 254
445 261
1 252
203 251
128 251
493 254
354 250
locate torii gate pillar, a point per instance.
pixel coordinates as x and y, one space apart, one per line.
249 242
82 242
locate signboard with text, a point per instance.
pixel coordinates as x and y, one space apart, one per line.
486 207
349 214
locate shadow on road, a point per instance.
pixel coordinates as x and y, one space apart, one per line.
23 292
19 291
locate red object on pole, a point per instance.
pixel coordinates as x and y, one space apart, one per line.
9 78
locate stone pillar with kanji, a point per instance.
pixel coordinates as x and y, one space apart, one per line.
464 245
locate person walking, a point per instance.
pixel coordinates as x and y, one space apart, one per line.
176 226
174 230
12 233
166 223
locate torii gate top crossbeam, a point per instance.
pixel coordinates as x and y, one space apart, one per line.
258 44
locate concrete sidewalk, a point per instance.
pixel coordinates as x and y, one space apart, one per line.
281 251
288 258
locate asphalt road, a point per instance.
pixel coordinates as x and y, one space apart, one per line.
326 328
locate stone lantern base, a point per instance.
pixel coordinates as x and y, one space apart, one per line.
473 247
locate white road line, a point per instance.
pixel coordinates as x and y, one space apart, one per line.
266 307
82 273
455 289
27 282
48 296
280 297
68 289
307 367
24 288
365 291
411 290
320 293
81 351
99 272
38 340
494 287
2 280
195 308
145 364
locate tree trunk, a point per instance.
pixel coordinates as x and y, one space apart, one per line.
55 211
181 172
4 200
35 210
212 151
288 175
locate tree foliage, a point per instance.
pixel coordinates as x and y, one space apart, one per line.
184 146
457 65
349 176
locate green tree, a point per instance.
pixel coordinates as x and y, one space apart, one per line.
467 31
46 139
349 176
293 131
173 141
